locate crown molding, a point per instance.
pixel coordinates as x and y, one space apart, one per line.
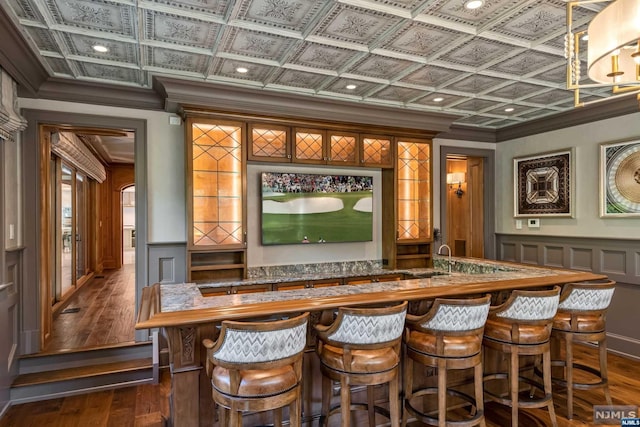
589 113
469 133
17 58
242 100
101 94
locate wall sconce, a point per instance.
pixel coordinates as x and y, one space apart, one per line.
458 177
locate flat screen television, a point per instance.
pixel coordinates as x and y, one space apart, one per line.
316 208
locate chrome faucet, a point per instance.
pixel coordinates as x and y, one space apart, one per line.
449 260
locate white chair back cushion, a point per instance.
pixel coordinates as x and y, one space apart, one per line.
582 299
460 318
242 346
355 329
531 308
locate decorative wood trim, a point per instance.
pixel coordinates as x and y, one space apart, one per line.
242 100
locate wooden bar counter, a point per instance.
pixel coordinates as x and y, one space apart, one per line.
187 316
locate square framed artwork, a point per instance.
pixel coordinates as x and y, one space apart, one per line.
620 179
544 184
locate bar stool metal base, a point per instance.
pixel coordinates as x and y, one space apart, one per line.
475 416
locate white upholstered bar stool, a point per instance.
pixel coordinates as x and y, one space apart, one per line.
447 337
521 326
361 347
581 319
257 366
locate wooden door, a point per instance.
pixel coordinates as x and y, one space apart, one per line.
475 187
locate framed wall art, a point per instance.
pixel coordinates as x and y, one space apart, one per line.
544 184
620 179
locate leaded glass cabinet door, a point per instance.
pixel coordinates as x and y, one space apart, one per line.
343 148
376 151
216 199
413 202
309 146
269 143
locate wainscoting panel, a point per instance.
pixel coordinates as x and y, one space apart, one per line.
167 262
581 259
618 259
529 254
553 256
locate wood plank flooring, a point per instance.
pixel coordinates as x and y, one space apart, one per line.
105 315
147 405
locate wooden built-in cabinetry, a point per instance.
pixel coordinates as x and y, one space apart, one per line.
218 146
269 142
407 209
216 195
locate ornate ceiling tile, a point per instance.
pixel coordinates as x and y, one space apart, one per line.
43 39
502 123
96 15
299 79
447 99
431 76
59 66
535 21
400 4
339 85
227 68
255 44
176 60
107 72
396 94
454 10
81 45
26 9
179 30
551 97
352 24
380 67
322 56
420 39
527 63
478 52
476 83
556 75
476 105
219 8
292 15
516 90
474 120
537 113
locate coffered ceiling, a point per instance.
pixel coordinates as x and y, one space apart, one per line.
495 66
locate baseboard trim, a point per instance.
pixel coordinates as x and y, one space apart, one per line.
623 346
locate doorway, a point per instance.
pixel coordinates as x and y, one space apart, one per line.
467 203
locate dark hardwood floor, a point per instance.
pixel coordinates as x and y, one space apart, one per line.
147 405
100 313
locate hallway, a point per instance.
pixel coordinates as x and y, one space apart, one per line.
101 313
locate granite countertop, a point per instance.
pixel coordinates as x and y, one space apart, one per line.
188 296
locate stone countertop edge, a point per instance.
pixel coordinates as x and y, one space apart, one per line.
188 296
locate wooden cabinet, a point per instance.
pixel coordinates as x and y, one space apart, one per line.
407 206
362 280
269 143
376 151
278 143
215 200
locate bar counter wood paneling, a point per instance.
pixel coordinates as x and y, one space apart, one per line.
187 317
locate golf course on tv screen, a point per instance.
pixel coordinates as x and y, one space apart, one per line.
314 208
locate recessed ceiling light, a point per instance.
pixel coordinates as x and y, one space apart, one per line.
242 70
474 4
438 99
351 87
100 48
585 37
509 109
